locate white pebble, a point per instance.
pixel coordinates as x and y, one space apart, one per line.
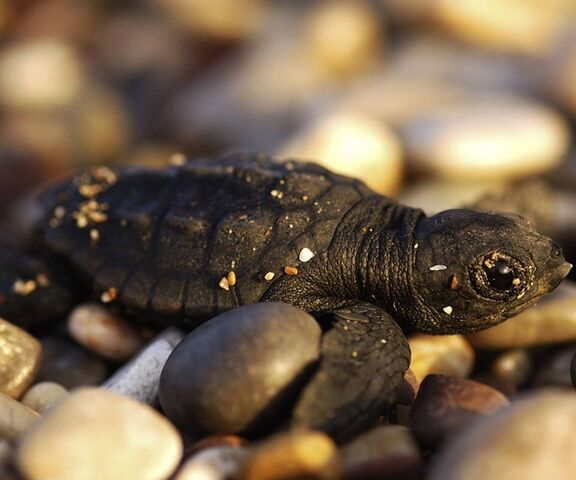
436 268
448 309
305 254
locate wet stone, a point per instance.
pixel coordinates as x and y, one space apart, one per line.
43 396
214 463
514 365
310 455
104 333
15 417
98 434
555 370
20 355
447 405
66 363
532 439
388 452
239 370
139 379
553 320
442 354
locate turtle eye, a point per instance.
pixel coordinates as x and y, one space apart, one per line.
500 275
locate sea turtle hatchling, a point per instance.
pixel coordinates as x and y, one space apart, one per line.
180 245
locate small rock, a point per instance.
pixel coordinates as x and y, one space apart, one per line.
215 441
215 463
513 365
388 452
445 355
310 455
501 136
20 355
239 367
555 370
530 440
15 418
139 379
43 396
99 330
98 434
332 141
446 405
66 363
408 389
553 320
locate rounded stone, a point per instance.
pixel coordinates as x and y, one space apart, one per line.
446 405
530 440
553 320
485 138
442 354
15 417
236 370
43 396
514 365
98 434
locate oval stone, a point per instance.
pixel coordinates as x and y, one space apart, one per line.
230 373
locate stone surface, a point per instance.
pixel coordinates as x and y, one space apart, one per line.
98 434
20 355
530 440
237 370
15 418
388 452
215 463
43 396
66 363
310 455
514 365
332 141
106 334
139 379
554 369
552 320
446 405
445 354
502 136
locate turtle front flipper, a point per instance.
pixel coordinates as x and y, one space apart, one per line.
364 356
32 290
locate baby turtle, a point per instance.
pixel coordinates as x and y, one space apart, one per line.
180 245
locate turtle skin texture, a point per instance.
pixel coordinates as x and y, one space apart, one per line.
180 245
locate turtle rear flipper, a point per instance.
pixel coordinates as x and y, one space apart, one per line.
32 290
364 357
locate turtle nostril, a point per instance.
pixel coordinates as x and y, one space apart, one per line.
555 250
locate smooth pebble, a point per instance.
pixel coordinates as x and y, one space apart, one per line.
15 417
43 396
215 463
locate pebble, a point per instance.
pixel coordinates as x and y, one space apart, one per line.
15 418
552 320
310 455
514 365
104 333
512 136
139 379
215 463
20 355
333 140
530 440
98 434
43 396
447 405
39 75
66 363
445 355
225 376
387 452
555 369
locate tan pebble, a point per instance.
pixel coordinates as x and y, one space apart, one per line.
103 332
43 396
20 355
513 365
15 417
39 74
288 270
334 140
446 405
446 355
231 278
510 136
97 434
269 276
214 463
530 440
310 455
553 320
224 284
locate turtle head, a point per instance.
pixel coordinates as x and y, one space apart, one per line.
473 270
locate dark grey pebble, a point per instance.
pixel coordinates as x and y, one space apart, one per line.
240 370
